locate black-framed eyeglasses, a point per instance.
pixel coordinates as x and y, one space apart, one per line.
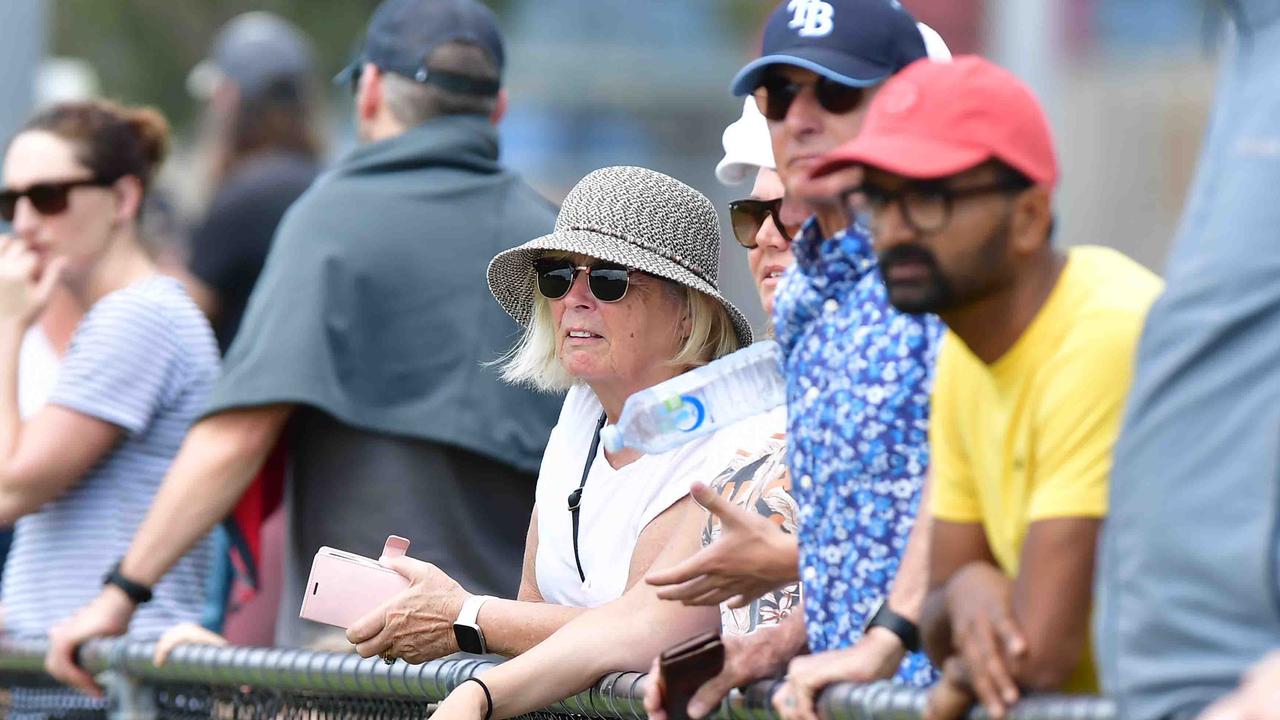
608 281
780 92
746 217
926 204
48 198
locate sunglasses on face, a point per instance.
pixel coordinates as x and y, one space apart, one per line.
47 198
926 205
608 282
746 217
779 92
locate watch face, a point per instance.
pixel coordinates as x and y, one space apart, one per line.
469 639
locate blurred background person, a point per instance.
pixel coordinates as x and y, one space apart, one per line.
1189 561
366 338
262 145
139 369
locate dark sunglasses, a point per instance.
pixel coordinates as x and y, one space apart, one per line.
779 93
746 217
47 198
608 282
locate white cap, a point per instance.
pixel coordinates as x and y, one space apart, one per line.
934 45
747 146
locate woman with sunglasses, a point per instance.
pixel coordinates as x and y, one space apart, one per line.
764 225
622 295
752 491
78 475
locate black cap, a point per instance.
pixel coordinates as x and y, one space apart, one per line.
255 50
854 42
403 33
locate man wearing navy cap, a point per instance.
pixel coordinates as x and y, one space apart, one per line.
367 335
858 374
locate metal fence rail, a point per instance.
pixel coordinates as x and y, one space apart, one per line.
244 682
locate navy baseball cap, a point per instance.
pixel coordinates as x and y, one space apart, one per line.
255 50
403 33
853 42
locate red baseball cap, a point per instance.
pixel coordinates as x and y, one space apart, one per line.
936 119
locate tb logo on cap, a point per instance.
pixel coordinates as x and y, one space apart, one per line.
812 18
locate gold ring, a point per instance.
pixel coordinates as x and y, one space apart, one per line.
388 658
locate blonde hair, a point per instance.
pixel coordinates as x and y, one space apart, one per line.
533 361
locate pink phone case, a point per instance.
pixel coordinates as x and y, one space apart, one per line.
344 587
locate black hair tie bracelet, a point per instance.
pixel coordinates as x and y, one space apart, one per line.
488 697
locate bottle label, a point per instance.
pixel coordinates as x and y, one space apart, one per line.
685 413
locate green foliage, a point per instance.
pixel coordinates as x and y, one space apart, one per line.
143 49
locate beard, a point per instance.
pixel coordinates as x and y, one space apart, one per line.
932 293
935 292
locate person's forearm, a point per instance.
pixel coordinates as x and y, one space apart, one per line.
935 626
788 638
511 627
911 584
623 635
1051 600
217 461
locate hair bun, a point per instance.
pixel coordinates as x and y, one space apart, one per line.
152 131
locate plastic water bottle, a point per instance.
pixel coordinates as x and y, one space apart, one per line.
700 401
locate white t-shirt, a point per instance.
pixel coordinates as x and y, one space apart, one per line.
617 505
37 371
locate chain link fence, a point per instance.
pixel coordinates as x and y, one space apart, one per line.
242 683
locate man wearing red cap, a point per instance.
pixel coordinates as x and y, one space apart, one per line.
954 172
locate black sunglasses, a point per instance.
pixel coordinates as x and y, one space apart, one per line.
779 93
48 198
746 217
608 282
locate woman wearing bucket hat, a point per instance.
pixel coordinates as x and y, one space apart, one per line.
748 495
622 295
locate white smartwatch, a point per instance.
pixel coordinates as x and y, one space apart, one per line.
466 629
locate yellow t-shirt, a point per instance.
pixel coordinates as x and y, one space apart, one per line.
1030 437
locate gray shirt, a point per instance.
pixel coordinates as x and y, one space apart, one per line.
1188 596
349 489
143 359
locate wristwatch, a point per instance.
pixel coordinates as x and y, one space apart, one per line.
136 591
906 630
466 629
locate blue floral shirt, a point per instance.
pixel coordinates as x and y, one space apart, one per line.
858 376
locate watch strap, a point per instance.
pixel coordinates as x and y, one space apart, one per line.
136 591
907 631
466 629
470 612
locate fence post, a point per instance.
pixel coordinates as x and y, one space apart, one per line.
128 698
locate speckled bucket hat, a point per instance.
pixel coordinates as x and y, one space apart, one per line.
631 216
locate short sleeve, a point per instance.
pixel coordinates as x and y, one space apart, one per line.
1079 418
120 362
953 495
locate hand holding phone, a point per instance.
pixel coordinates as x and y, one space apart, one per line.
344 587
687 667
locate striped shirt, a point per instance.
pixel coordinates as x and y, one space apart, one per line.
144 359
